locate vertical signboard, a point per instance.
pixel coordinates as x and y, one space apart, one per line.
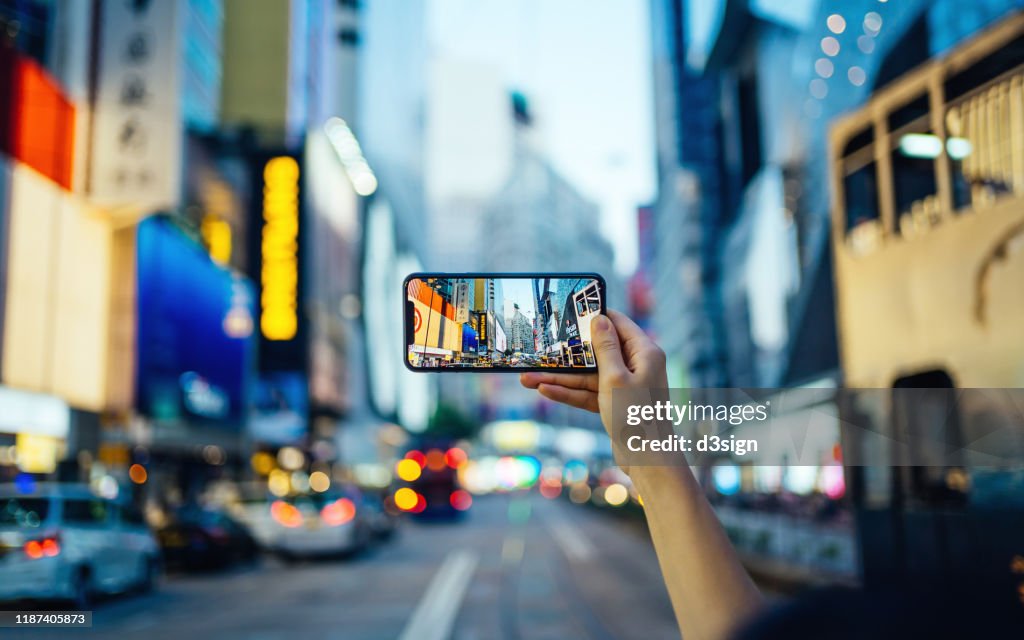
478 321
462 302
277 250
137 135
500 340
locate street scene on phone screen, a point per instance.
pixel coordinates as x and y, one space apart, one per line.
519 322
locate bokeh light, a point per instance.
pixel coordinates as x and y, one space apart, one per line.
831 481
455 457
418 457
137 474
300 481
872 23
726 478
338 512
408 470
285 514
291 458
616 494
460 500
262 463
319 481
579 493
830 46
857 76
824 67
436 460
406 498
818 88
278 482
800 479
575 471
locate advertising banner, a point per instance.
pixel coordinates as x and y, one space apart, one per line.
58 276
470 342
500 340
195 322
478 323
569 330
434 323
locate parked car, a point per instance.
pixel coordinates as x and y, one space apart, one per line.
316 524
198 539
63 542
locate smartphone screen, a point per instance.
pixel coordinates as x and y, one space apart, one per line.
501 321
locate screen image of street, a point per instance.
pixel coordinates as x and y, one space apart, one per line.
498 323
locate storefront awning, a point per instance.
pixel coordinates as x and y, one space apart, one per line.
429 351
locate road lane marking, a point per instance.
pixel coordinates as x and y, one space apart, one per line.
512 550
435 614
570 539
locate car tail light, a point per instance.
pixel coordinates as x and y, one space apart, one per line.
287 515
418 457
436 460
460 500
43 548
421 504
455 457
339 512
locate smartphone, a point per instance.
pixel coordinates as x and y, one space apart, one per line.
501 321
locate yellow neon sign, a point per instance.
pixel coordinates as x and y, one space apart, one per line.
217 234
279 276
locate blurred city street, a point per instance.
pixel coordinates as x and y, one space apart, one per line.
267 268
536 573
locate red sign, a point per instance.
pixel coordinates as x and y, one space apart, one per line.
37 122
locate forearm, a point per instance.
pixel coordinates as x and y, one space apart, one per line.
711 592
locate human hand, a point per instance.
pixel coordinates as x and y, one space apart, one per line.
626 358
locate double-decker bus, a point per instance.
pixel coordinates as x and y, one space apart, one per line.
928 245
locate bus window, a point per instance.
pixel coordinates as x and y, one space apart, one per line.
913 153
860 194
980 144
860 191
914 181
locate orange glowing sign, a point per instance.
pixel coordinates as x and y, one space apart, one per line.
37 121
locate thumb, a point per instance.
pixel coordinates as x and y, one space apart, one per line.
607 349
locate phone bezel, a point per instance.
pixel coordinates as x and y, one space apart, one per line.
407 320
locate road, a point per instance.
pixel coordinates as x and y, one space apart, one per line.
518 567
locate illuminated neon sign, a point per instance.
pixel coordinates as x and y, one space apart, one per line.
279 276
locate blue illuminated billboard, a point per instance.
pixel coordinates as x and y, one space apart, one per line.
195 328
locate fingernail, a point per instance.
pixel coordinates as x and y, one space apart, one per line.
602 323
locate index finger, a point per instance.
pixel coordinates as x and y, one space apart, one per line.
533 379
628 330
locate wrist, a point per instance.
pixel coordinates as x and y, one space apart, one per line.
652 481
